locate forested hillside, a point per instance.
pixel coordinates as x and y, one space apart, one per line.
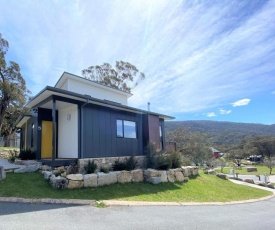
223 133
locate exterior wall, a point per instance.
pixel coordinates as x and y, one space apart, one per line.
65 85
151 125
96 92
216 154
99 137
68 132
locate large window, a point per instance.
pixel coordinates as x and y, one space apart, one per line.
126 129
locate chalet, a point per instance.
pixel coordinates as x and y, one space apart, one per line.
79 119
216 153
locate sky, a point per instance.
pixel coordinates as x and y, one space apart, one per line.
202 60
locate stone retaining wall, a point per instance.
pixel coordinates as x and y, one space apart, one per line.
108 162
153 176
7 153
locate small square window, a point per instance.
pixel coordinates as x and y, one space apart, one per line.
126 129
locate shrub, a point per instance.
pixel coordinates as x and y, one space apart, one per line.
104 169
151 153
176 159
130 163
12 155
72 169
119 166
90 167
27 155
186 161
163 162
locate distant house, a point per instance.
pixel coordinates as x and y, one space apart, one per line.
216 153
79 118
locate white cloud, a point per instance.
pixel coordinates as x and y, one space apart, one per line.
195 56
211 114
224 112
241 102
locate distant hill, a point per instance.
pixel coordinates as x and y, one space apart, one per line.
224 133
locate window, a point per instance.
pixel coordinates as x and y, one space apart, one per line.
126 129
32 135
160 137
119 128
130 129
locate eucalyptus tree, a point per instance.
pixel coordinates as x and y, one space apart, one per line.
265 146
125 76
193 145
13 90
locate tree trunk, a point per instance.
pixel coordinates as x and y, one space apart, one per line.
7 141
3 108
7 138
1 116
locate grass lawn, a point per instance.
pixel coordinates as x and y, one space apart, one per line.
8 148
203 188
261 170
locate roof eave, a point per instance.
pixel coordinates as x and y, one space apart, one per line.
22 120
95 100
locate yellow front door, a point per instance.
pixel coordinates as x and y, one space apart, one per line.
46 145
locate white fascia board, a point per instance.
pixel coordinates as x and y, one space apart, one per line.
22 121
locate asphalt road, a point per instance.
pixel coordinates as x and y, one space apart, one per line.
258 215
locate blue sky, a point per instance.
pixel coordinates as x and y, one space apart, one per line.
203 60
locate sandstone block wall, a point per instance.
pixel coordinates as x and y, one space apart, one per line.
100 179
108 162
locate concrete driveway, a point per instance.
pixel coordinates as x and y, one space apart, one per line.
257 179
251 216
272 179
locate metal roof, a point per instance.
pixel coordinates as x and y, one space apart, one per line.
49 91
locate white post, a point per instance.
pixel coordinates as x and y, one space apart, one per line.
265 178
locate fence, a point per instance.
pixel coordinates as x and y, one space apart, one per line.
13 142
